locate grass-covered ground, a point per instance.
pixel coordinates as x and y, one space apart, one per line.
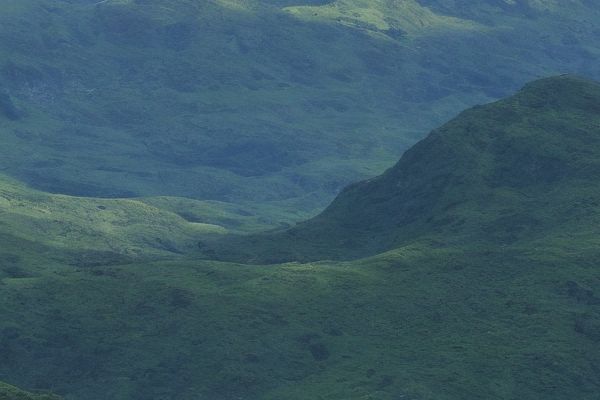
123 226
40 229
493 298
419 322
264 110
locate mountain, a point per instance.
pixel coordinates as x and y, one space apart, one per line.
491 291
8 392
518 169
276 104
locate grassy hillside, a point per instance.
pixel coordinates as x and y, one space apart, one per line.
394 19
130 226
86 231
497 297
271 104
421 322
523 167
8 392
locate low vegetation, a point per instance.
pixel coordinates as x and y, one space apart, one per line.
520 169
491 292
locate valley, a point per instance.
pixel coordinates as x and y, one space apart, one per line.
269 105
299 199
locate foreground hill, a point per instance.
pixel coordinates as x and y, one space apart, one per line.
421 322
281 102
515 170
494 292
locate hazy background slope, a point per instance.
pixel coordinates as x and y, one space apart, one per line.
278 103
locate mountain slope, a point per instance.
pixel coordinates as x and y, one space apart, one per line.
514 170
254 102
420 322
93 231
455 311
8 392
488 10
396 19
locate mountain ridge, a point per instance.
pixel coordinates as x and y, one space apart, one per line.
460 182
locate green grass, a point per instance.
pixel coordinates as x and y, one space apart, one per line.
419 322
503 305
380 17
126 227
233 116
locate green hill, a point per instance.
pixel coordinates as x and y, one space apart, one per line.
394 19
516 170
95 230
492 293
420 322
8 392
38 228
277 104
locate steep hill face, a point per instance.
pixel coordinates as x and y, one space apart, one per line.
254 101
513 170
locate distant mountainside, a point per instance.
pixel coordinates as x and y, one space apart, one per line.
489 10
276 103
515 170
